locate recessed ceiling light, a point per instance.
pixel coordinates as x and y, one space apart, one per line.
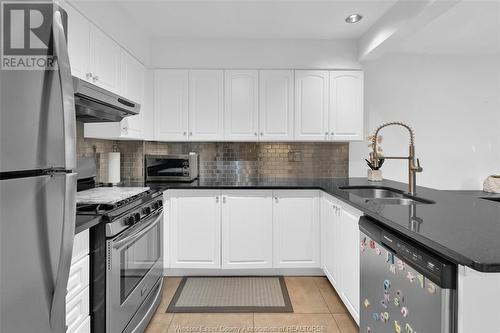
353 18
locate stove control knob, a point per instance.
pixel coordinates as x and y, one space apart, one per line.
129 220
160 203
155 205
137 217
146 210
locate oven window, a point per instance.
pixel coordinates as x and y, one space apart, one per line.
167 167
136 260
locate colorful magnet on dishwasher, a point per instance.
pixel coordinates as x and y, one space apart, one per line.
431 288
397 301
368 330
366 303
397 327
372 244
387 297
385 317
399 294
377 251
408 328
401 265
387 284
410 276
420 278
384 304
392 268
389 257
376 316
404 311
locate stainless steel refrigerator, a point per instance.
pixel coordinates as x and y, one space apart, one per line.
37 189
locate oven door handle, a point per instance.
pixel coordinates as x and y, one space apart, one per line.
135 235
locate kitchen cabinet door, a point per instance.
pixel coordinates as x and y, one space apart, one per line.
346 105
241 114
349 231
133 77
78 43
276 105
311 105
195 229
247 228
331 240
171 104
206 105
105 61
296 229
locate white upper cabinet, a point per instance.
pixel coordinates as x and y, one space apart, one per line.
247 229
78 43
346 105
276 105
206 105
133 80
311 105
296 228
171 104
241 105
195 229
105 61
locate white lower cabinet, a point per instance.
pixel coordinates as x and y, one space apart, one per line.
77 294
331 248
195 229
247 228
296 229
349 269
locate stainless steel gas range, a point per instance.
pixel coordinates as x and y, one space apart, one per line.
126 256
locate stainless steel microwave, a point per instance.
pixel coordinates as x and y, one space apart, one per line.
181 167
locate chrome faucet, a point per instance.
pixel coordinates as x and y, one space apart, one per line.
413 163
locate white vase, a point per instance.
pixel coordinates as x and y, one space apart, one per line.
375 175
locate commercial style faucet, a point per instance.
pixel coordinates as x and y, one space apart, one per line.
413 163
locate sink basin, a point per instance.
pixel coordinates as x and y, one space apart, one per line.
385 195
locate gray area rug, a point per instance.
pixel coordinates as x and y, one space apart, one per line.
231 294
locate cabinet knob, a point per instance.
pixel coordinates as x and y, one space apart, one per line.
332 133
255 134
185 133
261 134
276 200
190 133
223 199
216 199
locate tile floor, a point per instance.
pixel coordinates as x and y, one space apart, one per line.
317 309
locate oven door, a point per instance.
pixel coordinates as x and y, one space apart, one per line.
134 265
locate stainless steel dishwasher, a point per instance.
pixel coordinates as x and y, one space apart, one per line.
404 288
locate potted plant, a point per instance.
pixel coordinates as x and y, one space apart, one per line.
375 163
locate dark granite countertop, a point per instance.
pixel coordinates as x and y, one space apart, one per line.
459 226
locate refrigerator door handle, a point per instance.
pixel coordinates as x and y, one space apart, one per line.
58 308
67 91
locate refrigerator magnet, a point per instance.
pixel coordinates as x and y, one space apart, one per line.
366 303
397 327
431 288
404 312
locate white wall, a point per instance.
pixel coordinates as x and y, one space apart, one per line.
253 53
453 104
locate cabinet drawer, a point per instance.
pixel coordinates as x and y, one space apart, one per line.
80 246
78 277
84 327
77 310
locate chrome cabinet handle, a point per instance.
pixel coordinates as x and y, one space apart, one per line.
261 134
184 133
216 199
190 133
255 134
276 200
223 199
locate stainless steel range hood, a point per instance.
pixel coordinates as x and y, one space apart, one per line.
96 105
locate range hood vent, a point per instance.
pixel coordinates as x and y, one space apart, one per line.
96 105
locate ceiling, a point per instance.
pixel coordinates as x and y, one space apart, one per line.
257 19
469 27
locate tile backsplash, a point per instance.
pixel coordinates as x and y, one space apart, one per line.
226 160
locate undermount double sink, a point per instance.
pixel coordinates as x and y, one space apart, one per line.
385 195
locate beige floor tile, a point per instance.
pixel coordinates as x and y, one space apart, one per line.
170 285
305 295
212 322
159 323
308 322
330 296
346 323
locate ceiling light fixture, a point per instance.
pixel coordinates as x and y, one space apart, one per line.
353 18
